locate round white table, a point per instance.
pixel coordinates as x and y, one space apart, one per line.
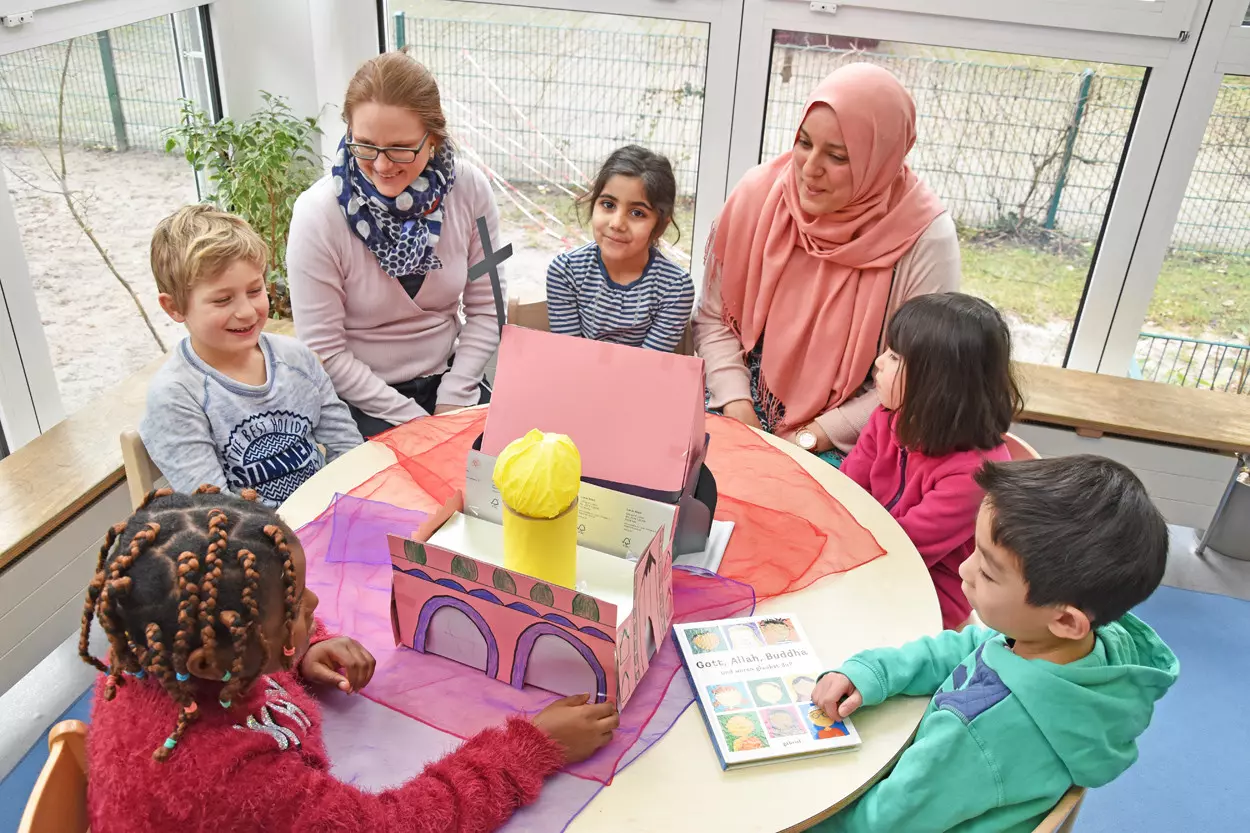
678 783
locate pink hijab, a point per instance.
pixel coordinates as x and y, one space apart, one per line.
822 282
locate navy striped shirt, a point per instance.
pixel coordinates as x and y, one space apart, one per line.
651 312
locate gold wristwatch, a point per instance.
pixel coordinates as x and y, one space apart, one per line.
806 439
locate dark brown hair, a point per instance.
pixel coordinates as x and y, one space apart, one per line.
1084 529
960 392
658 183
187 572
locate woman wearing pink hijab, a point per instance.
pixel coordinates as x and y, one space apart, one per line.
811 255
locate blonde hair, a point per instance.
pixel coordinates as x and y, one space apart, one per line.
198 242
398 79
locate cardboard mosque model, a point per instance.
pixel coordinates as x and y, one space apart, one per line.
637 419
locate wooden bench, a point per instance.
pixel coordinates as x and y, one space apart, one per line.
1095 404
1185 443
58 474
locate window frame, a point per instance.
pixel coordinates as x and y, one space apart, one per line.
1222 48
724 18
1166 60
30 398
1152 18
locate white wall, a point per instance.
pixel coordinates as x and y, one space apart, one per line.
41 596
304 50
344 34
1185 484
264 46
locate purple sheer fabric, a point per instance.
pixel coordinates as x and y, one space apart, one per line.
349 569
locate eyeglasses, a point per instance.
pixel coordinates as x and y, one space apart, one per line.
400 156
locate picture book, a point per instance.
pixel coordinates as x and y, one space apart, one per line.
753 678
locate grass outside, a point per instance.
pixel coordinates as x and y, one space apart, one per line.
1199 296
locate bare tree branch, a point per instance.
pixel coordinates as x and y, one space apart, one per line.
63 180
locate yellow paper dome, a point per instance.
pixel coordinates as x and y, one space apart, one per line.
539 474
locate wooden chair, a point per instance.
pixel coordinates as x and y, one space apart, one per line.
1061 819
1019 449
58 804
141 472
533 316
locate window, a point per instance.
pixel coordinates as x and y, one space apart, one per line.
1197 330
538 98
82 138
1024 151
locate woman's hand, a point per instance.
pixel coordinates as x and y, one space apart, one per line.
439 410
581 729
836 695
743 410
341 662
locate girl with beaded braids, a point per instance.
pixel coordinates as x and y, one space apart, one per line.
203 722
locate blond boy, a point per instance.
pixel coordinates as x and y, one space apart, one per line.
234 407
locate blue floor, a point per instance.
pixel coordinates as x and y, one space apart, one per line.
1195 758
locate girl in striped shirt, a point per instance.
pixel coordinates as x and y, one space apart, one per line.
620 288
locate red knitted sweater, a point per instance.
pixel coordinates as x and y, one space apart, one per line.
263 767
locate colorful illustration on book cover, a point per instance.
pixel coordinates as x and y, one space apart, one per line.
742 731
778 631
706 640
783 722
726 697
771 692
823 726
802 686
744 636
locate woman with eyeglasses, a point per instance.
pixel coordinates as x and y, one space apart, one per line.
379 254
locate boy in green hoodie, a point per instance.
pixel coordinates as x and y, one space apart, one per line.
1055 690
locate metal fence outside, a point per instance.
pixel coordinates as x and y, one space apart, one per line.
121 89
1007 148
1010 148
545 103
1215 214
1196 363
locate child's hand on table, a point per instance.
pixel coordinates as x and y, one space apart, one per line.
579 727
836 695
341 662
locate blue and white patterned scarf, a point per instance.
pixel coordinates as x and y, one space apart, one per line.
401 232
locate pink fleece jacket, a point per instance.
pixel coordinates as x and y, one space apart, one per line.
934 499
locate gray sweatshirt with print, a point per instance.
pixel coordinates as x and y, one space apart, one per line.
204 427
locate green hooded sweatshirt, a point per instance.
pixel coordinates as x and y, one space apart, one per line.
1004 737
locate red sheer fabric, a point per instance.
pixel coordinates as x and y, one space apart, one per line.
789 532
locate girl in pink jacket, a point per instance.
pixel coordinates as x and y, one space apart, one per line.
947 397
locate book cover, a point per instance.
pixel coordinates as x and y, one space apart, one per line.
753 679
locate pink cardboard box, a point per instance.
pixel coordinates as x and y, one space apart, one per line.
636 416
467 607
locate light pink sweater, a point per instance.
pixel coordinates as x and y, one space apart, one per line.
361 322
931 265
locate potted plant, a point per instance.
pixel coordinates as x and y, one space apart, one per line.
256 168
